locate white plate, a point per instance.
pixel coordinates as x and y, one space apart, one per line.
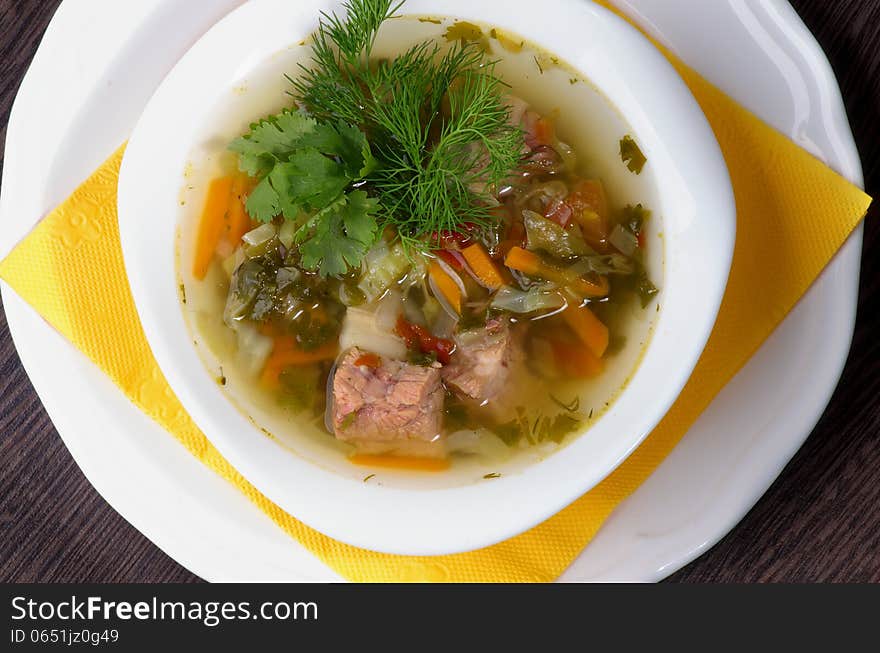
724 464
455 511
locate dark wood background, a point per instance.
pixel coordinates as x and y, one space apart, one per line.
819 522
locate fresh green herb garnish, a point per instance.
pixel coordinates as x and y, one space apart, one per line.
631 155
491 476
306 171
339 237
415 143
437 122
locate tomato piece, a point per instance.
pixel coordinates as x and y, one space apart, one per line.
453 239
418 338
589 206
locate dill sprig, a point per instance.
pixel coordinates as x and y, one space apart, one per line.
437 121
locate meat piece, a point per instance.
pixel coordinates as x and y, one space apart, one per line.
387 406
482 361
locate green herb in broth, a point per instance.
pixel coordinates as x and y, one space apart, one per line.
428 267
468 33
632 155
437 122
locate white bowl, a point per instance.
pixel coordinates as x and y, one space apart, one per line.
694 198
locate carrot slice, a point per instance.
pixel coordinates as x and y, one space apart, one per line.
531 264
238 223
523 261
401 462
286 353
369 360
212 224
446 285
588 328
483 266
577 361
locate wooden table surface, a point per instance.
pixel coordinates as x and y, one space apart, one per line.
819 522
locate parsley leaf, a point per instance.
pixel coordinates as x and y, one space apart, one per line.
631 155
339 236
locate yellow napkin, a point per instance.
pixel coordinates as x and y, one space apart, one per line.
794 213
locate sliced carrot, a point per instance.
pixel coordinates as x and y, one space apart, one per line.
286 353
522 260
505 247
446 285
401 462
369 360
577 361
238 223
588 328
212 225
531 264
545 133
483 266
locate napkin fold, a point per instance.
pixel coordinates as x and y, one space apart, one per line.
794 213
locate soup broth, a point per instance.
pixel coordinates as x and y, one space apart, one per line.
508 342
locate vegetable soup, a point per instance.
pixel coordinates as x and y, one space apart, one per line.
420 243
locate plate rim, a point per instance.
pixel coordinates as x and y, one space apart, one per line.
668 569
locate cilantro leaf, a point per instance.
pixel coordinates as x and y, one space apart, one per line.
271 140
346 142
339 237
304 169
309 181
263 204
631 155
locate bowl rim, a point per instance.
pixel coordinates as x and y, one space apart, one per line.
661 111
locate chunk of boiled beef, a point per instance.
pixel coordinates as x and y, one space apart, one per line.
482 361
387 406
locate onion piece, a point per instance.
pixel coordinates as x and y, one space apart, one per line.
361 329
287 234
482 443
624 240
389 310
261 235
254 348
536 299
